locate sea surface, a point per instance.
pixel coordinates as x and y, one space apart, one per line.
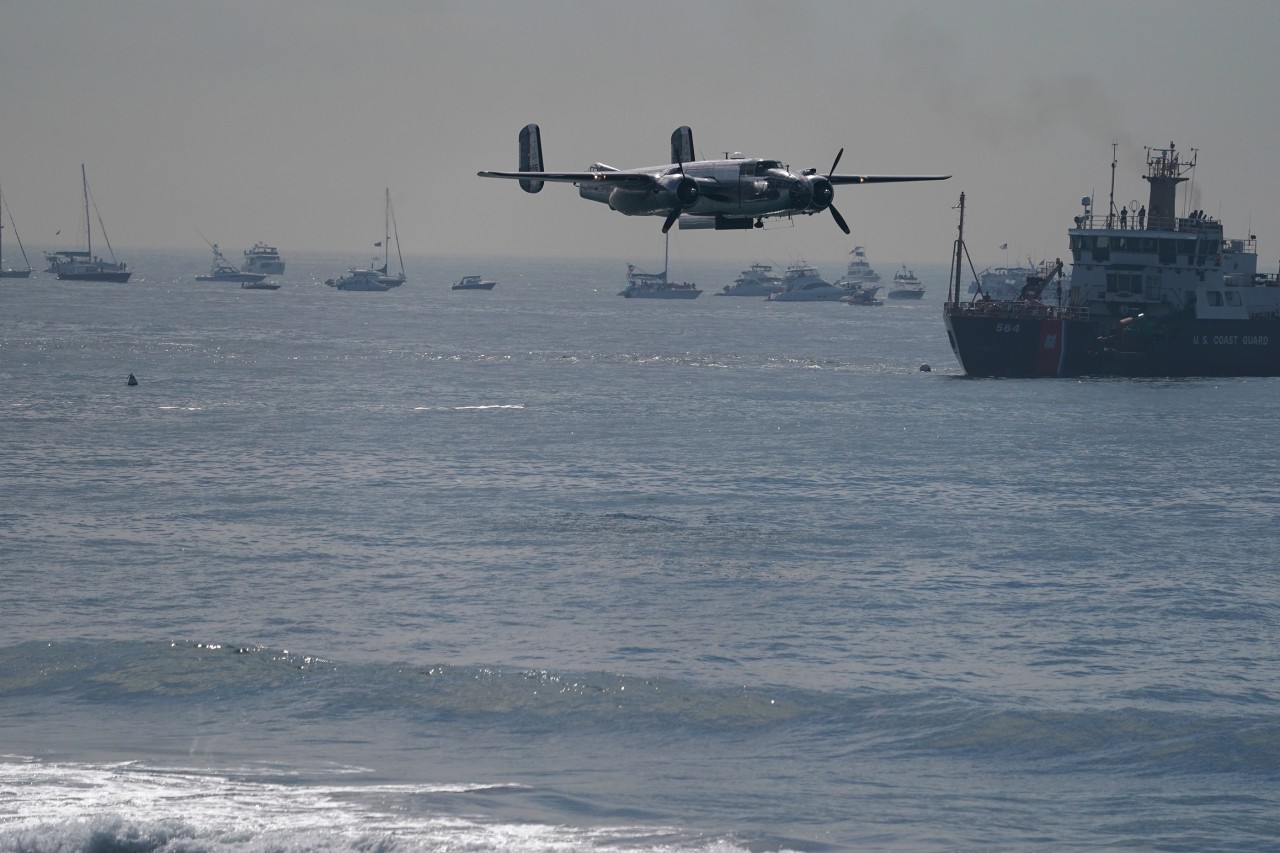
544 569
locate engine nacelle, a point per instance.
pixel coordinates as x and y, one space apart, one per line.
823 193
682 188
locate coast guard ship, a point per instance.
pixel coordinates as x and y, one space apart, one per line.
1151 293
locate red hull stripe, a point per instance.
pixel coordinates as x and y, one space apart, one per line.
1052 346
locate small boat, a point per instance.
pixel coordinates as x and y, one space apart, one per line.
473 282
801 283
654 285
264 259
74 265
906 285
222 270
369 280
862 295
13 273
260 285
759 280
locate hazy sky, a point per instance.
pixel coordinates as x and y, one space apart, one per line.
283 120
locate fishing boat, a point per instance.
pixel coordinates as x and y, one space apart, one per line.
222 270
264 259
74 265
7 272
859 272
1159 293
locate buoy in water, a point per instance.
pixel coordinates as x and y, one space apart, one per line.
925 368
133 380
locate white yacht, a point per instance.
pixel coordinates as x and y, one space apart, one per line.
801 283
906 285
264 259
370 280
759 280
1002 284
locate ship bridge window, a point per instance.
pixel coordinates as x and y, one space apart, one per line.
1102 249
1168 251
1214 298
1124 282
1233 298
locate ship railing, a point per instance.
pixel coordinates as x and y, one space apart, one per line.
1113 222
1018 309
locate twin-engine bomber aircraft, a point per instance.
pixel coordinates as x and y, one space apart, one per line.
737 192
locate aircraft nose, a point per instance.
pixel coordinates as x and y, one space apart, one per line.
801 192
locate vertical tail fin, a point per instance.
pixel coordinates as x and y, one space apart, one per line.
682 145
530 156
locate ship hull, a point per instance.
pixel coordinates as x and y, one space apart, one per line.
1016 346
661 294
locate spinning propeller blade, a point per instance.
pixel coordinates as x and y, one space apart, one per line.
675 211
835 214
671 219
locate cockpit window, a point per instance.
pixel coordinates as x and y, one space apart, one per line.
763 166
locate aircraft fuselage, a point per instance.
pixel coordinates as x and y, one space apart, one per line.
743 187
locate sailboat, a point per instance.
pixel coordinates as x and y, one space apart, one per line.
12 273
654 285
389 228
85 266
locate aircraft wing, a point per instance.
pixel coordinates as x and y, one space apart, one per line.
883 179
632 179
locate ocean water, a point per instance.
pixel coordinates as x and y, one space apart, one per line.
544 569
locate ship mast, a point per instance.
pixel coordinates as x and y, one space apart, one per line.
959 251
1164 172
88 232
1111 201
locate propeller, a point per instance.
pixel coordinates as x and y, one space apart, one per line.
835 214
823 192
686 192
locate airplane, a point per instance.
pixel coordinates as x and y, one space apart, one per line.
734 193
